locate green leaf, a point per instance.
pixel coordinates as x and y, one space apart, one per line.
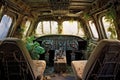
30 39
34 48
29 46
34 56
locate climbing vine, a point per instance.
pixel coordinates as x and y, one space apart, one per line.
86 16
110 17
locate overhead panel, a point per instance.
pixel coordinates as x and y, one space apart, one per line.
59 4
56 7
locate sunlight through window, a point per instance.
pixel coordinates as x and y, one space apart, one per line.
70 27
109 28
47 27
93 29
51 27
54 27
5 26
80 31
39 28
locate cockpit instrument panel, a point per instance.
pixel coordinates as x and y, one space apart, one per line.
66 42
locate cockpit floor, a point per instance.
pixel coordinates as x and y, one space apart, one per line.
51 75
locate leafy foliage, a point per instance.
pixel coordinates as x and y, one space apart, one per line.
34 48
111 14
110 17
86 16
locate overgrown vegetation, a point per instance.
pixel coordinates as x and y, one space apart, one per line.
86 16
110 17
19 32
34 48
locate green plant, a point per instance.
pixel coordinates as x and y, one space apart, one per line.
86 16
110 17
34 48
19 32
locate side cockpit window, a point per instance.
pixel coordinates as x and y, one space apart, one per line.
93 29
109 27
5 24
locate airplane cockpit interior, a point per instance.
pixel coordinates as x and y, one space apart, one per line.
59 39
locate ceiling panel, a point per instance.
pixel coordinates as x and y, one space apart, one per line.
68 7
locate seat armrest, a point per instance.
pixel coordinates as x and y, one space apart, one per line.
39 68
78 68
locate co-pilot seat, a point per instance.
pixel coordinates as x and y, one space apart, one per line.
16 63
103 63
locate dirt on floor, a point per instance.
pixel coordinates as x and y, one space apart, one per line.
51 75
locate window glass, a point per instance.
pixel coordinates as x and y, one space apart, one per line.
80 31
70 27
109 27
54 27
39 28
51 27
5 26
93 29
73 28
47 27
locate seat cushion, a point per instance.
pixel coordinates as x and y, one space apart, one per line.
39 67
78 67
